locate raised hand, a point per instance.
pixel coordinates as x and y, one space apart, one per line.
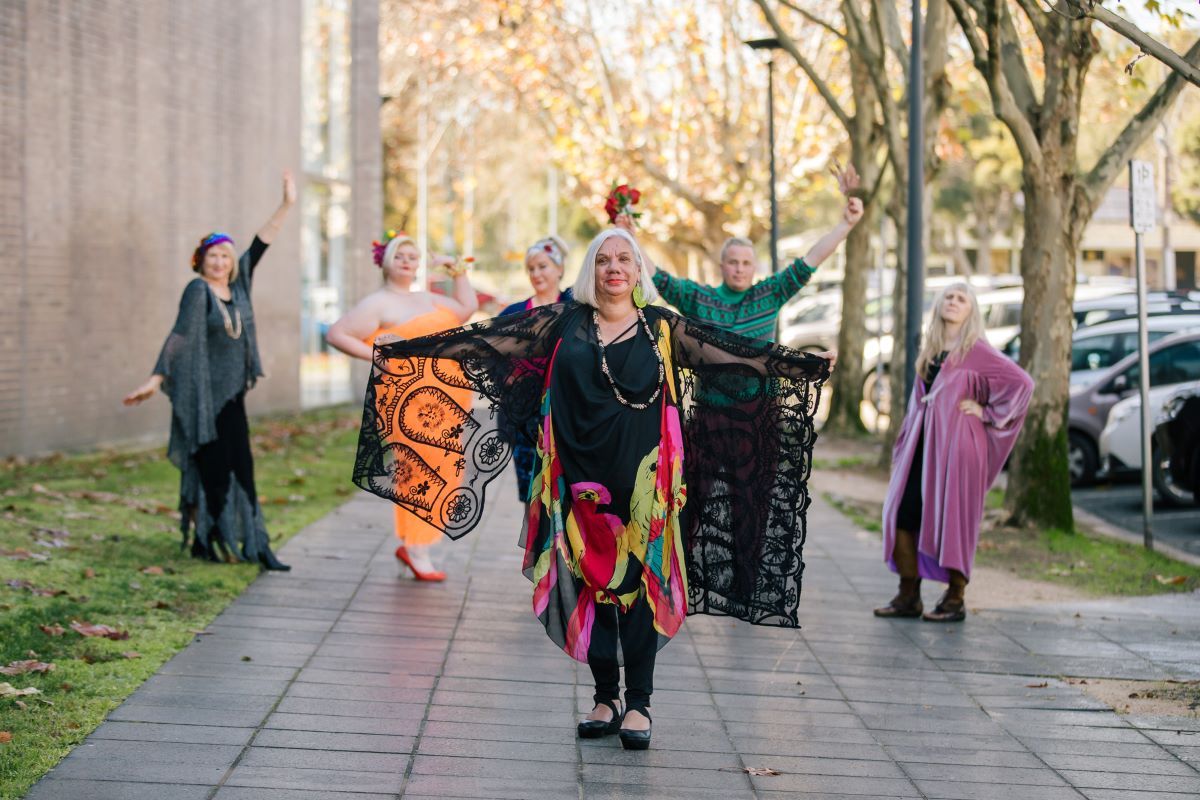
853 212
625 223
847 178
289 188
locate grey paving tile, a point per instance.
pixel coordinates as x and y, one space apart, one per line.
167 732
1184 784
565 751
458 786
315 779
974 773
534 772
318 722
835 784
257 793
131 770
958 790
292 758
54 788
1125 794
325 740
130 712
663 777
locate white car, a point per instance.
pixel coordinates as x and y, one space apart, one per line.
1121 439
1095 348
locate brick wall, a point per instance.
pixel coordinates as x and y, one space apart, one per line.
129 130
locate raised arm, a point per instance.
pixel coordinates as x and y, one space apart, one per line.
270 228
465 301
350 332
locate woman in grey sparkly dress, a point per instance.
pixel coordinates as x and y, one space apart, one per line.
208 363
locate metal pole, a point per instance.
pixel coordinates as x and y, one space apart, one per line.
1144 391
916 197
771 148
881 265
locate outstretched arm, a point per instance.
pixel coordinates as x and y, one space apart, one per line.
828 243
465 301
271 227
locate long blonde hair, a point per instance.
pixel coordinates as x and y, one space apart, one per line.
935 335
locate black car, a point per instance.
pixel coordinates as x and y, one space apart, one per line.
1177 449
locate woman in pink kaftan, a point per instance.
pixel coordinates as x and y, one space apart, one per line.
966 410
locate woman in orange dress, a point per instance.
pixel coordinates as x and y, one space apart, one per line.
398 310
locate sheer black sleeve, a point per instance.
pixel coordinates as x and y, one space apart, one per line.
747 410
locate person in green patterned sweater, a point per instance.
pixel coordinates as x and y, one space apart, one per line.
741 304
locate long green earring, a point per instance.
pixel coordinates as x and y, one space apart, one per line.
639 297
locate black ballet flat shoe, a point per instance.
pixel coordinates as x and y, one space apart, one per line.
269 562
636 740
596 728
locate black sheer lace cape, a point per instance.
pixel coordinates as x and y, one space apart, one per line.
747 410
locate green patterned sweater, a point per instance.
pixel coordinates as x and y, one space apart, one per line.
751 313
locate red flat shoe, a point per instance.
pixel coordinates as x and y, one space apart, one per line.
433 577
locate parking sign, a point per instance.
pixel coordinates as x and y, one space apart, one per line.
1141 196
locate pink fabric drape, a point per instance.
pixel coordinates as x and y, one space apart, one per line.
962 455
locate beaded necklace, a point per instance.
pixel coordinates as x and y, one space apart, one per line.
233 326
662 371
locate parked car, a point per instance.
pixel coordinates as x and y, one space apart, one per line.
1121 439
1094 310
1097 347
1174 359
1177 444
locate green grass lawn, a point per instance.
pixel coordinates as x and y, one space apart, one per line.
95 538
1092 564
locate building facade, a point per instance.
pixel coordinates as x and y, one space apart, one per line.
131 129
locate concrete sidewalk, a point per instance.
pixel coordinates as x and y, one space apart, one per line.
341 681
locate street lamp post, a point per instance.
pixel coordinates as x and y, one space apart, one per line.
916 196
771 45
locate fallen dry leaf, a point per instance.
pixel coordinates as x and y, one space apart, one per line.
131 654
5 737
53 630
1174 580
153 571
21 667
21 704
89 573
760 771
1041 685
107 631
8 690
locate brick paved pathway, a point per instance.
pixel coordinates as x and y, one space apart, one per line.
341 682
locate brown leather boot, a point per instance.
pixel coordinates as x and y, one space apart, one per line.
953 606
907 602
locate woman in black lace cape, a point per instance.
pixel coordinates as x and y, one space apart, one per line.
207 364
671 470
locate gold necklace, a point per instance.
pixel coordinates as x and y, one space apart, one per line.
233 326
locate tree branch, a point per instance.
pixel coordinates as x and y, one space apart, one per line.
1151 46
806 66
1004 104
1037 18
1134 134
813 18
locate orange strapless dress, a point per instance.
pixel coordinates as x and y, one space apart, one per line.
410 529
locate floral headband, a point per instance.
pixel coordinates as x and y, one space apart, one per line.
207 242
379 248
550 248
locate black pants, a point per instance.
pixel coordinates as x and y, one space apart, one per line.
630 638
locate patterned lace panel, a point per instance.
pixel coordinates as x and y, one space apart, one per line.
434 436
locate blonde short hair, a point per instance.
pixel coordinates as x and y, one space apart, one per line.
395 244
735 241
585 285
233 257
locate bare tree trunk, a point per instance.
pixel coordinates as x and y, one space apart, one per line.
846 397
1039 482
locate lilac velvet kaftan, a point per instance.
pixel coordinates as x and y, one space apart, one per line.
963 454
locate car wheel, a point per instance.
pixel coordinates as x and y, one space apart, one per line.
1083 460
1172 493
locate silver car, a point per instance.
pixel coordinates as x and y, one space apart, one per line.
1174 359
